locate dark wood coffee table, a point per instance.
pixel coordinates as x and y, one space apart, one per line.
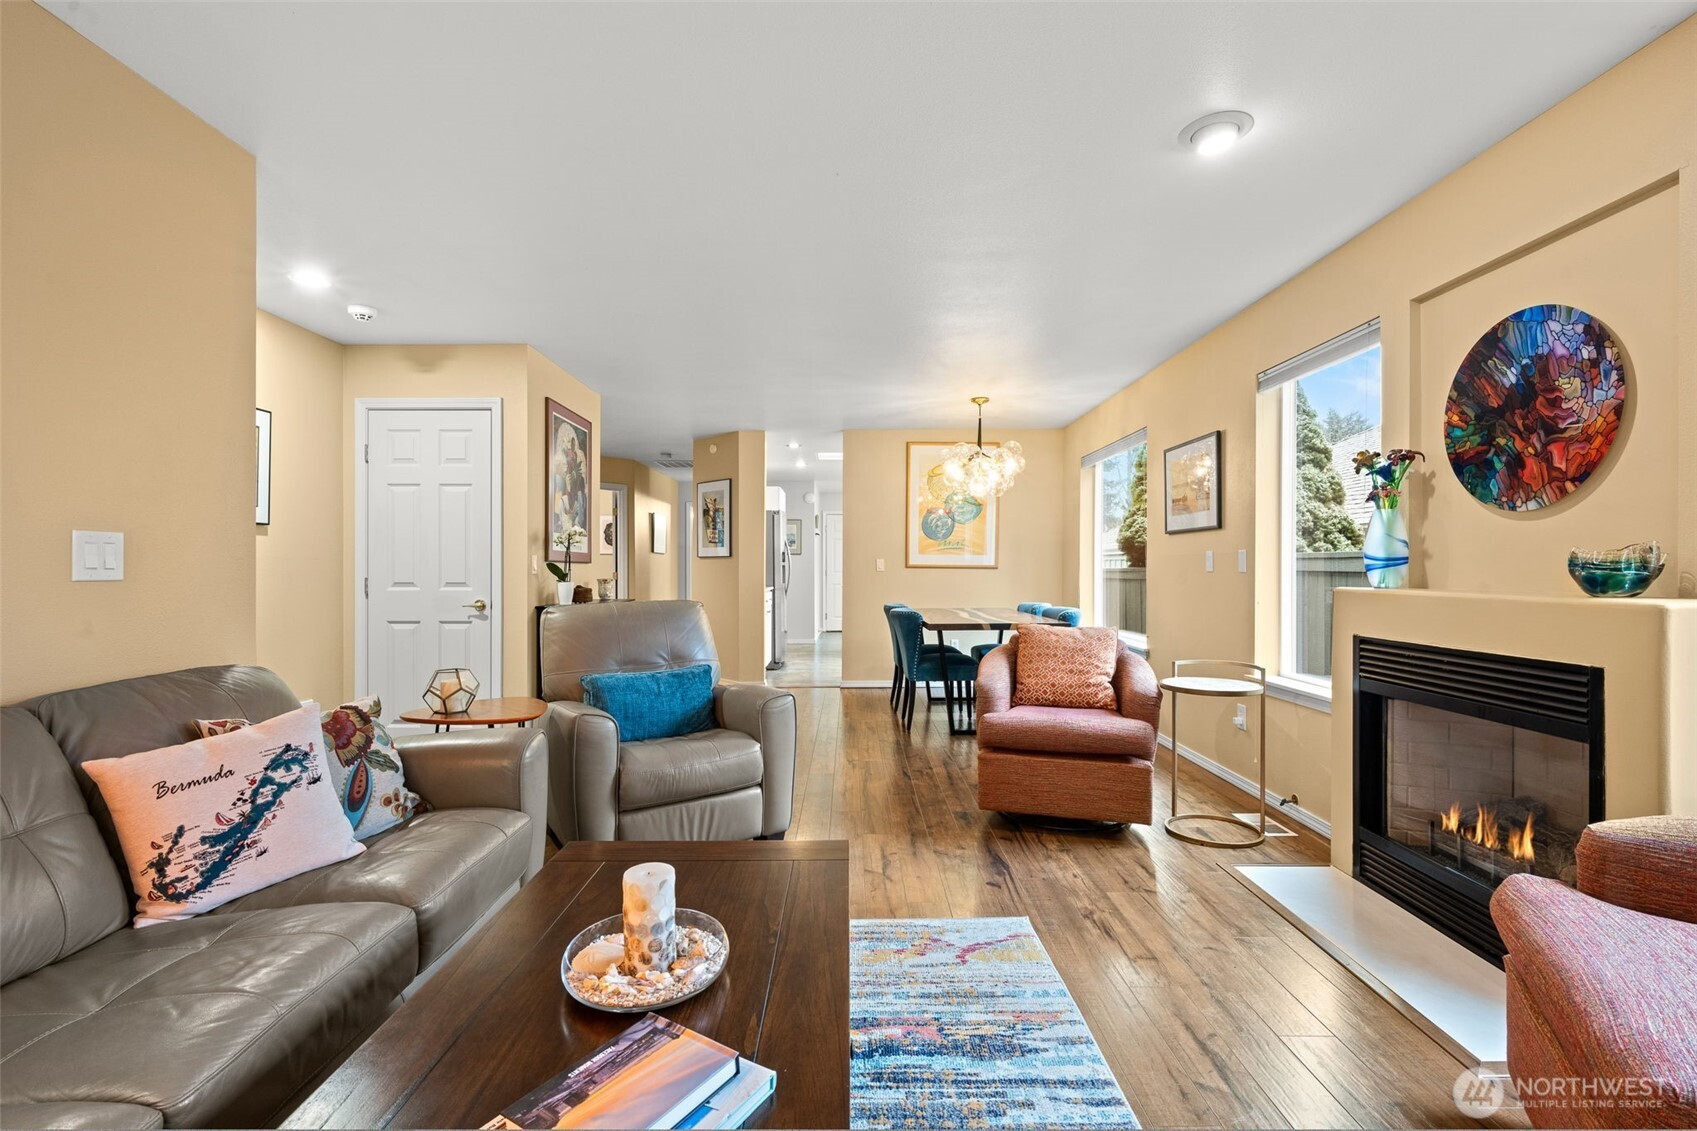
495 1021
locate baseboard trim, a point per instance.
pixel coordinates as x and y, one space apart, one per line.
853 684
1295 812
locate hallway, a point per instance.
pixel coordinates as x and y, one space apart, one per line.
815 663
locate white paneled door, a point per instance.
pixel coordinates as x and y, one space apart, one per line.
833 571
431 559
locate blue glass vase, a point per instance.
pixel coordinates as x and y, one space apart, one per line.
1385 548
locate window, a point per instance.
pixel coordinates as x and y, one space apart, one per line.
1121 474
1328 411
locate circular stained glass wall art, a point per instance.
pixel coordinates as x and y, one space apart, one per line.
1535 407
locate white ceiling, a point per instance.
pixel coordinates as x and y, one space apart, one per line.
828 216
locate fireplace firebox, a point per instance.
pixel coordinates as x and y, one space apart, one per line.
1469 768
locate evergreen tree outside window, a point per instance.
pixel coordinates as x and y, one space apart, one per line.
1329 405
1120 474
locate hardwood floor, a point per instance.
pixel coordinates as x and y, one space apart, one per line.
1212 1010
812 663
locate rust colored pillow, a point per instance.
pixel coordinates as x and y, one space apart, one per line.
1057 666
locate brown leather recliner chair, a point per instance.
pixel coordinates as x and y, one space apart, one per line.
733 782
1089 764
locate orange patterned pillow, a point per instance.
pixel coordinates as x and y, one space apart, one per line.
1057 666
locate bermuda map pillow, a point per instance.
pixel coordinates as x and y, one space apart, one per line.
363 762
214 819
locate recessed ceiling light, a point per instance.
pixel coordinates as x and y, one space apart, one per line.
801 463
310 278
793 445
1213 134
831 455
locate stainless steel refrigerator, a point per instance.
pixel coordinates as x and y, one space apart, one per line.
777 571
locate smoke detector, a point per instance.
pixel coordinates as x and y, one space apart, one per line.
362 313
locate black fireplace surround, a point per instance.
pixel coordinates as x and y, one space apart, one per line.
1470 767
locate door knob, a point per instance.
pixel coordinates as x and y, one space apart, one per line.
480 604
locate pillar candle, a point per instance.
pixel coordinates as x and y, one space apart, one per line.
650 913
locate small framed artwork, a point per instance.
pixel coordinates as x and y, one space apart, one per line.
713 519
262 481
792 536
659 523
946 527
1194 498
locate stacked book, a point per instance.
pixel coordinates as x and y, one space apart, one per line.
656 1074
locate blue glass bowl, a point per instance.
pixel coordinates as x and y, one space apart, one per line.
1625 572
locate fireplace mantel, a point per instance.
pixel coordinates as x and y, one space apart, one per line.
1647 649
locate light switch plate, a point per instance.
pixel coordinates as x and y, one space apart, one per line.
97 555
1208 560
1243 561
880 565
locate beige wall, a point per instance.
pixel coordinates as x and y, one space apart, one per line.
1617 235
299 570
653 577
126 317
733 588
874 526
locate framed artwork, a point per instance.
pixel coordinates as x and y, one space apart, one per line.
607 529
262 478
946 528
713 519
1195 500
1535 407
659 523
792 536
568 473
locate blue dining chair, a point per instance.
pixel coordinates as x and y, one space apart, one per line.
1065 614
896 653
919 666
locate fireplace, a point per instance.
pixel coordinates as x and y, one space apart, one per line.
1469 768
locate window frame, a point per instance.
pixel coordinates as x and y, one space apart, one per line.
1139 641
1287 683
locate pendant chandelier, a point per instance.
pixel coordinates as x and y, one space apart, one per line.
981 471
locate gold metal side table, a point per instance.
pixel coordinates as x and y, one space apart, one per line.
1245 681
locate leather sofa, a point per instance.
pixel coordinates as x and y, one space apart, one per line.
732 782
1076 764
220 1020
1602 980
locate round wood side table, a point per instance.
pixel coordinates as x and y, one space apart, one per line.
1241 684
482 712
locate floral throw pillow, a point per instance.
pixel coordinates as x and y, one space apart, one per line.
364 765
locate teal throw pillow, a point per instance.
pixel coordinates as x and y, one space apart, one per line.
663 704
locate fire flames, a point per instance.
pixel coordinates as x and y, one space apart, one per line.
1482 830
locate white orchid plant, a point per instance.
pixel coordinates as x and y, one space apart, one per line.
567 540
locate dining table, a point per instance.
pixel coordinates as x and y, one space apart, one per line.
970 618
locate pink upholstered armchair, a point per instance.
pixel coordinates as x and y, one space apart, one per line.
1602 981
1081 764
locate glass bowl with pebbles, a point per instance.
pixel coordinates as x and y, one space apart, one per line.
594 963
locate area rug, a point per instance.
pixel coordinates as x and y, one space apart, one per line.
966 1023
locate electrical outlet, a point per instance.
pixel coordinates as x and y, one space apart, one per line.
880 565
1240 719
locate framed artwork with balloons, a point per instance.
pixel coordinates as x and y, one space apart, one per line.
946 527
